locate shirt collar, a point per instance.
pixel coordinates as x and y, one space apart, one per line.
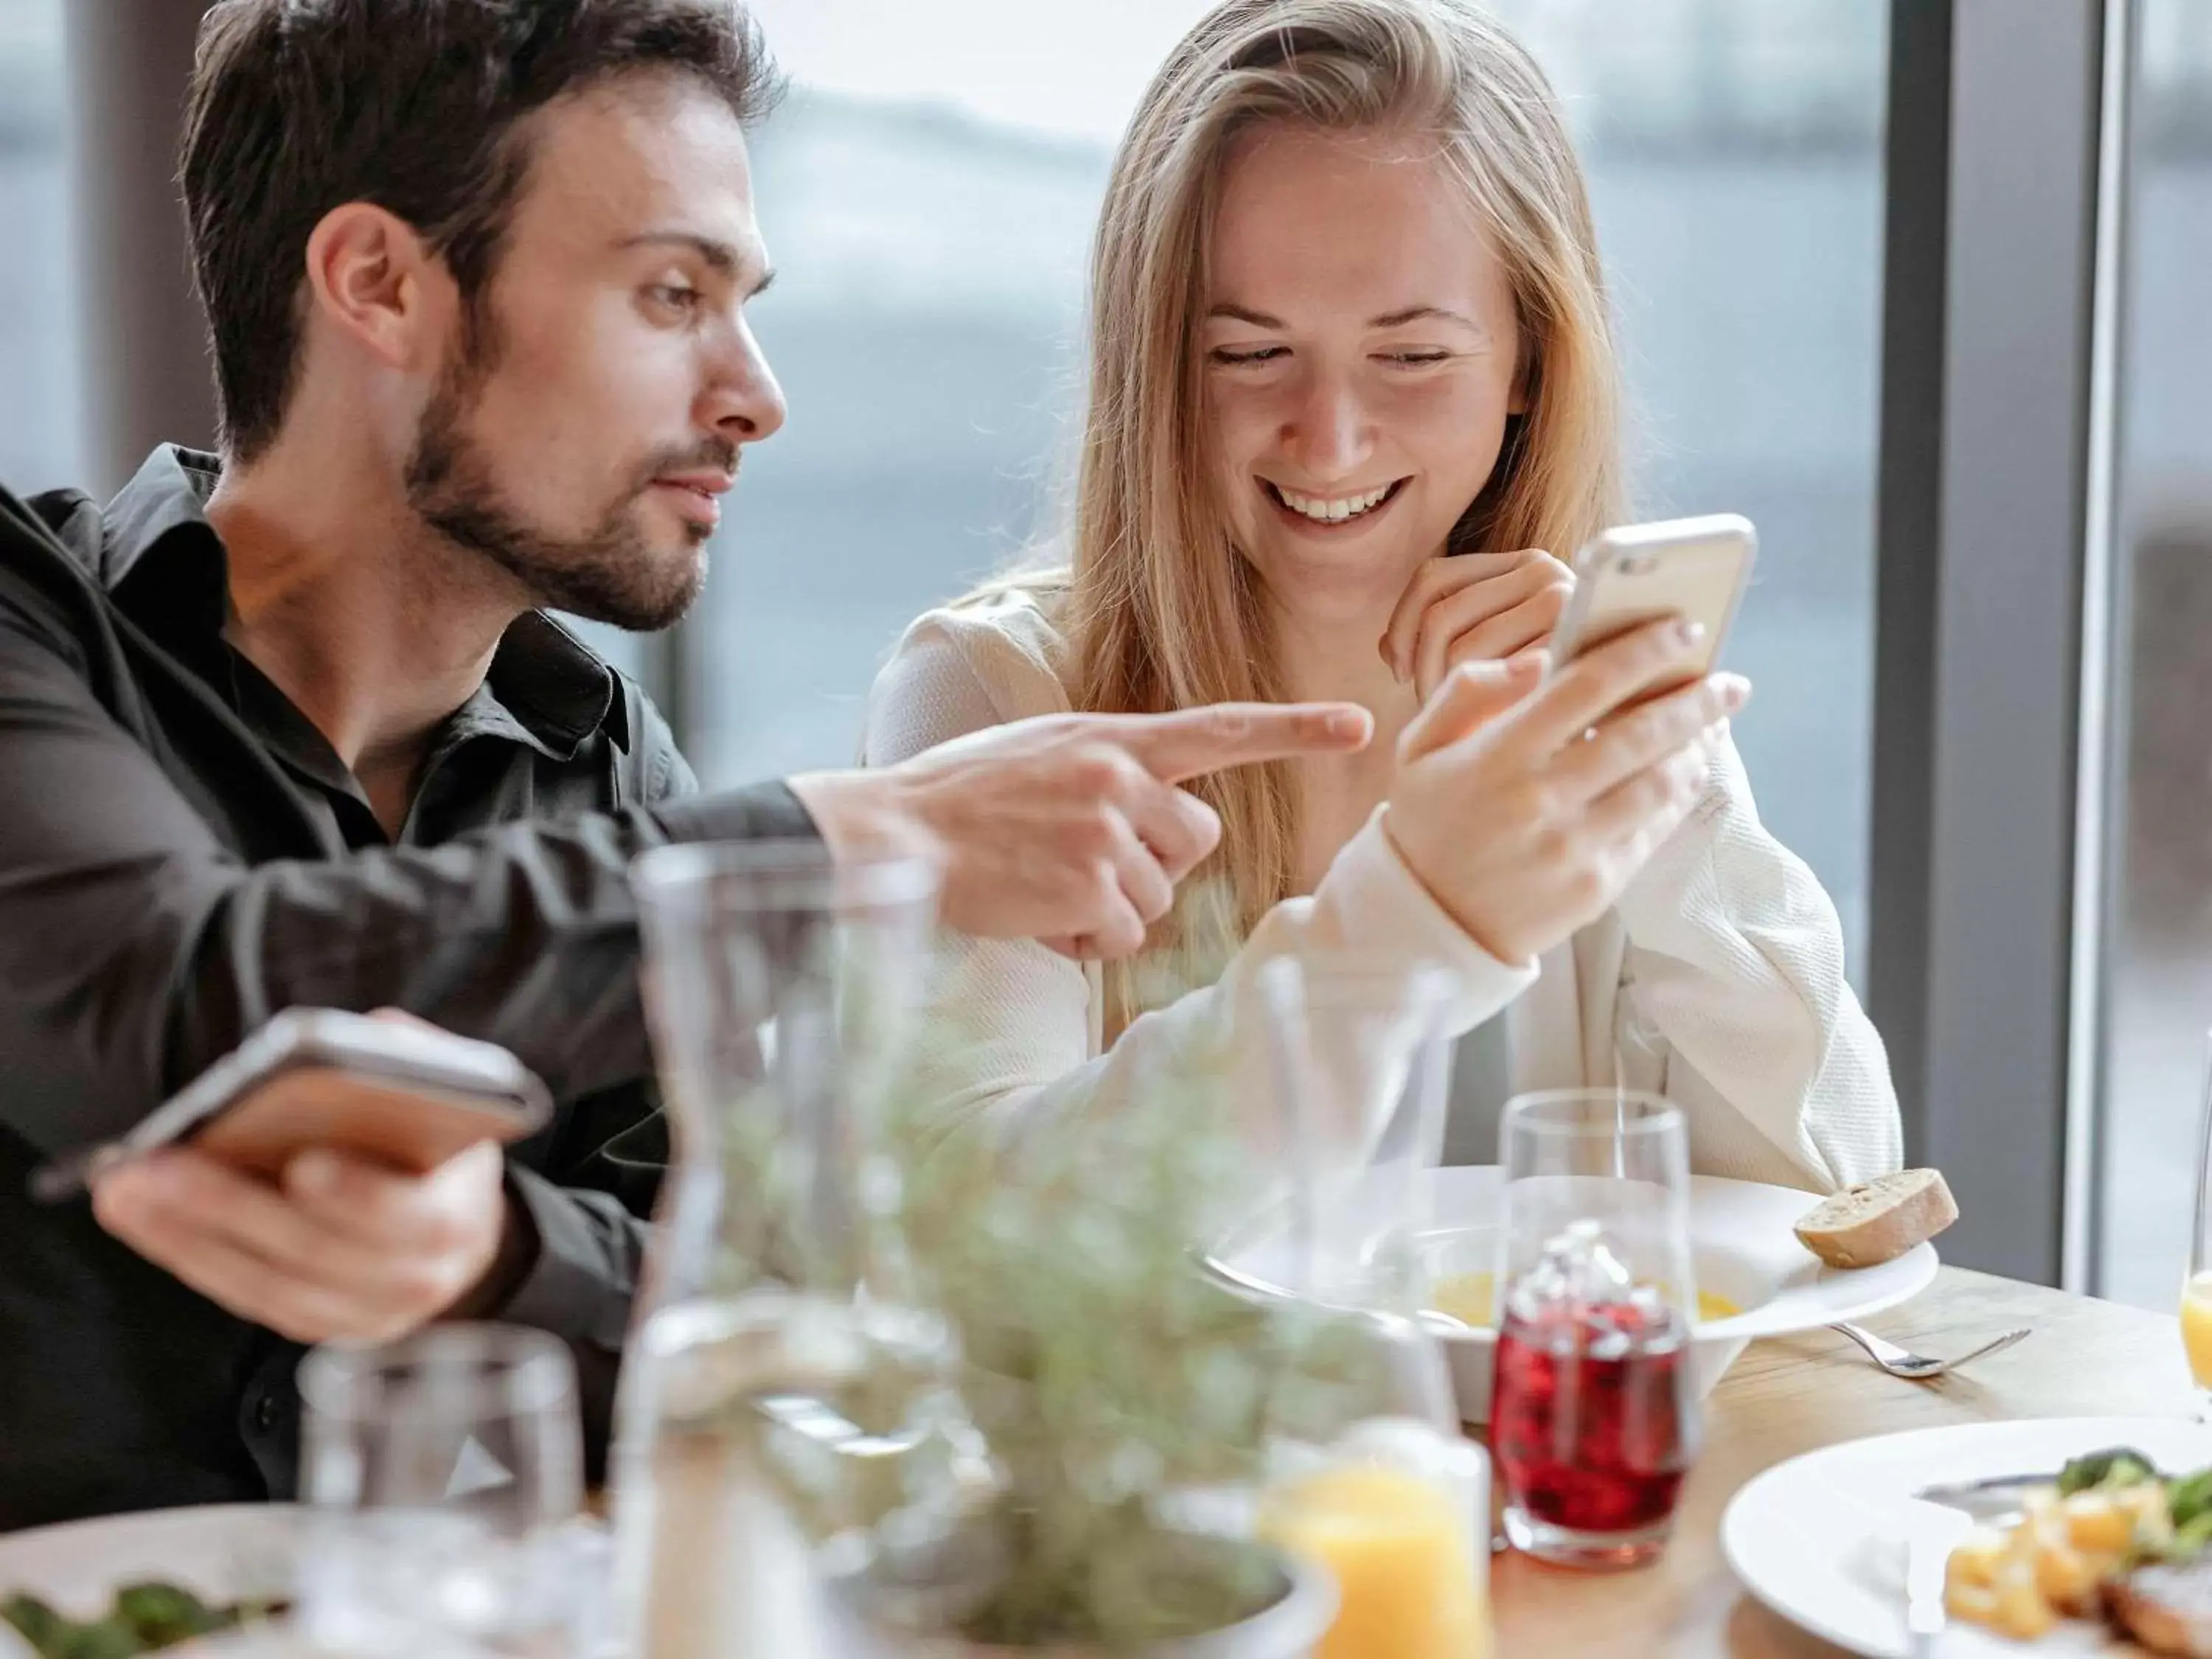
546 688
554 687
167 496
159 558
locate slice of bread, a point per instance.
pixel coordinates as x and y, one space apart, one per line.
1880 1221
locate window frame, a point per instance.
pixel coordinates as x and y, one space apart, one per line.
1993 609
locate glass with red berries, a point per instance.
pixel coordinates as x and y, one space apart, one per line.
1593 1412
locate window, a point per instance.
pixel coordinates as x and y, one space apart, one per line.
1734 148
41 363
2159 969
40 415
929 194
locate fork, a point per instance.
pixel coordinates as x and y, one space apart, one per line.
1919 1368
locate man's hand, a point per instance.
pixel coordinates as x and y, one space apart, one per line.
1525 808
1068 828
342 1250
1473 607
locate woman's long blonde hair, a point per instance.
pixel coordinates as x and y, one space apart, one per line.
1163 611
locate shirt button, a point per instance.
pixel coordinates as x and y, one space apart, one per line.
264 1414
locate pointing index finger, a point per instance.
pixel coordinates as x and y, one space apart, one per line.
1191 742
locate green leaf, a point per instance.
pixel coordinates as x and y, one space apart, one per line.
2111 1470
144 1618
37 1623
162 1614
1108 1374
2190 1498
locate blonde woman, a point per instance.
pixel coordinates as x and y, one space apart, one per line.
1350 366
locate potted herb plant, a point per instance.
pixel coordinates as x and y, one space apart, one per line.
899 1389
1128 1399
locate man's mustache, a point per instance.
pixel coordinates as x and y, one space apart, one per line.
715 455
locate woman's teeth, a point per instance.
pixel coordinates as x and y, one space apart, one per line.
1331 511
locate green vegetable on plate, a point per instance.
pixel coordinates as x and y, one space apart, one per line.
145 1618
2106 1471
2189 1498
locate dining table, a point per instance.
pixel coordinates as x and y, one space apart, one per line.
1787 1395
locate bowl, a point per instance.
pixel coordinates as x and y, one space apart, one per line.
1742 1248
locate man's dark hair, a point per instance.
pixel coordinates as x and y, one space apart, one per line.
300 105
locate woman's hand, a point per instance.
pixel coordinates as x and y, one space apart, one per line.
1525 806
1473 607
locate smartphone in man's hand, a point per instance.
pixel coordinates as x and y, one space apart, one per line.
392 1092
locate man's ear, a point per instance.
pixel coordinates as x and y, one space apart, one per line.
371 278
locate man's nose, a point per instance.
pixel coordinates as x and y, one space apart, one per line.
745 403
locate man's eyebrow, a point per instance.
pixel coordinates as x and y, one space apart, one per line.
723 258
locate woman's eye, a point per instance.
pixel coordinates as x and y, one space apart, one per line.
1414 359
1233 358
677 296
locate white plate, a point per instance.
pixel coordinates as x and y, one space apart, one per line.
220 1552
1742 1246
1821 1539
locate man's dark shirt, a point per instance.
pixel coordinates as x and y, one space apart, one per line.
182 856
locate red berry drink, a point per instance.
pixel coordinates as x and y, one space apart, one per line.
1593 1422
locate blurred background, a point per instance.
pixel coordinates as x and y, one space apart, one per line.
928 193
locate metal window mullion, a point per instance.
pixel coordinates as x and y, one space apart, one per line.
1988 325
2102 707
1916 193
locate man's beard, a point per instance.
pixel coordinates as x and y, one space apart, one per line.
611 575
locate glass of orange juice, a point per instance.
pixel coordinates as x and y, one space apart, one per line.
1371 1478
1409 1580
2196 1288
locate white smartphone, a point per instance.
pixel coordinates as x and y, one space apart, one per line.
1696 569
398 1093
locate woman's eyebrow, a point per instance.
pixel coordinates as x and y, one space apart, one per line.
1236 314
1422 313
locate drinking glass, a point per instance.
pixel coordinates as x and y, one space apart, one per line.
783 1386
1373 1477
445 1476
1594 1413
2196 1288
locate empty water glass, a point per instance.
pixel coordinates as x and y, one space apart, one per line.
446 1473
